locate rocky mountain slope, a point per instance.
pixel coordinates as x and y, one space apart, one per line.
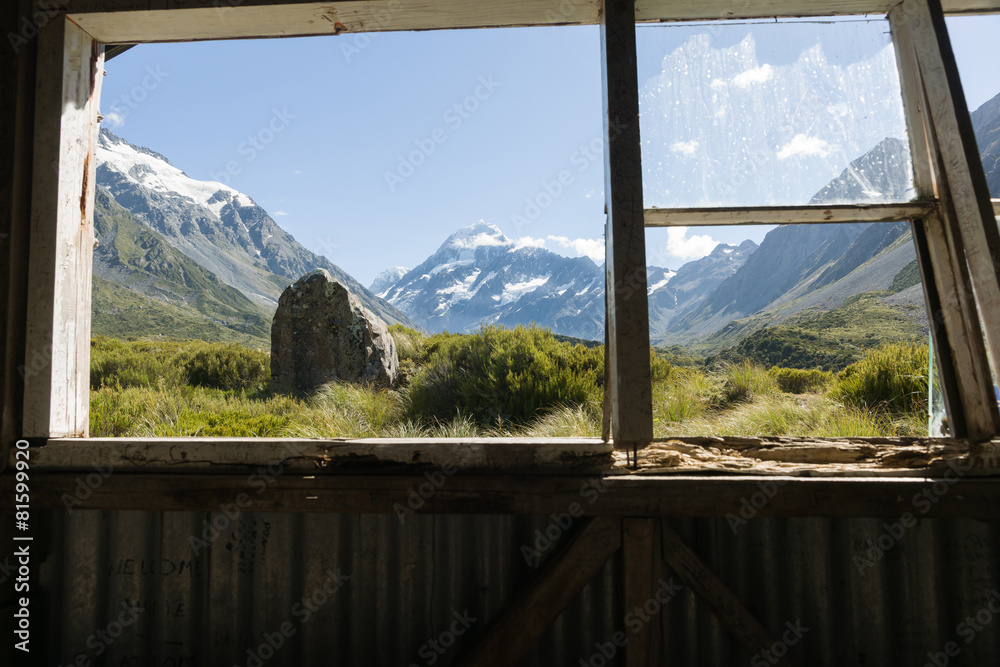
811 266
986 123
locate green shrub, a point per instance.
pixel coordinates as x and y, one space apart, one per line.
501 375
798 381
116 363
410 343
892 377
746 381
229 366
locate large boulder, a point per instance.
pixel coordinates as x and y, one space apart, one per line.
321 333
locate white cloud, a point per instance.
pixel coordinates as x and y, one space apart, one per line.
685 147
297 171
682 246
756 75
565 246
803 145
114 119
592 248
281 212
528 242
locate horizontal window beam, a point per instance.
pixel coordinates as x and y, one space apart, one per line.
787 215
136 21
607 495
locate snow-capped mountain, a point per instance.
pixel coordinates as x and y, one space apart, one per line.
479 276
387 279
221 229
674 293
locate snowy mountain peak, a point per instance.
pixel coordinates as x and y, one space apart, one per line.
387 279
154 172
481 234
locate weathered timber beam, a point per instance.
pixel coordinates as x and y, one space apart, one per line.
57 354
967 497
785 215
521 623
963 179
641 576
959 346
624 233
733 616
131 21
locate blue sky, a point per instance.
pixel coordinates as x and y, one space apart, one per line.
372 149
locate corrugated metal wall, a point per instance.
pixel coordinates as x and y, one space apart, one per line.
410 583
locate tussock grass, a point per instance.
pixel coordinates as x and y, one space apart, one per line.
891 377
746 381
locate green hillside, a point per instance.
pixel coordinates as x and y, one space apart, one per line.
140 261
833 339
119 312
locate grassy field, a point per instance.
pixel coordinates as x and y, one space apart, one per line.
497 382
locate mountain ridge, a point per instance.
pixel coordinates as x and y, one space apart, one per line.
217 227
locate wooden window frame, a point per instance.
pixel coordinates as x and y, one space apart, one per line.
958 245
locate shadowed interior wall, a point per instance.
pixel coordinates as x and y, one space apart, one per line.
220 603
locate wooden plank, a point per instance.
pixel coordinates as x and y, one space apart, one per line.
641 576
568 456
57 379
762 455
525 618
16 132
131 21
955 496
625 235
962 168
733 616
786 215
996 206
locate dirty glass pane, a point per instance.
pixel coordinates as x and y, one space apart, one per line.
770 114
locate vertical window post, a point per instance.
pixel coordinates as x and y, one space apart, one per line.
933 104
625 234
57 354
